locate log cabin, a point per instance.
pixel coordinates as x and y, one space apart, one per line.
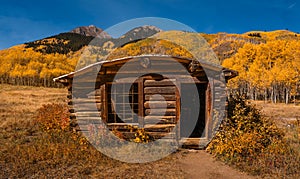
161 94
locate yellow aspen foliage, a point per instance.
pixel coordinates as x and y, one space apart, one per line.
268 70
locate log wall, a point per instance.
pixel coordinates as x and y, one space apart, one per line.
89 104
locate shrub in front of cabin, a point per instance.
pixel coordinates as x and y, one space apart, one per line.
252 142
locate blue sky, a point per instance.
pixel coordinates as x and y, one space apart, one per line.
23 21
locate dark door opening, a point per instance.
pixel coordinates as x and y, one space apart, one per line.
192 117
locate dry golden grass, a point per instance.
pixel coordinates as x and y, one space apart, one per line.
284 115
29 152
19 103
279 110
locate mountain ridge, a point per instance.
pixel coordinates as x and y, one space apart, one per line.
90 30
37 62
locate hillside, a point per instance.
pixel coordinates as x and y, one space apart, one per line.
269 70
268 62
63 43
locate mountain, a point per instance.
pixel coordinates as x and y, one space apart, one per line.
131 36
62 43
138 33
80 37
100 48
92 31
67 42
38 62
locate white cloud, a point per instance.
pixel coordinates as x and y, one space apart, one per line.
292 5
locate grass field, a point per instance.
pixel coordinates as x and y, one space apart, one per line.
279 110
29 152
286 117
20 103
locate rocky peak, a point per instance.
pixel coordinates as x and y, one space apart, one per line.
90 30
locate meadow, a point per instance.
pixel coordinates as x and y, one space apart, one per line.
28 151
31 150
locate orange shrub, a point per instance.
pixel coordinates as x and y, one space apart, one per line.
253 143
53 117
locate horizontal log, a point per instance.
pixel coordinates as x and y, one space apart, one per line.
192 80
84 120
197 143
84 103
80 94
153 135
161 70
122 125
159 120
159 127
96 97
164 82
159 90
82 88
151 59
159 135
87 106
156 112
159 104
136 65
86 114
167 97
86 100
147 127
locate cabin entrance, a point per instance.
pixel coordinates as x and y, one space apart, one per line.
192 118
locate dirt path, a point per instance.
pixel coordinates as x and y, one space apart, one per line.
198 164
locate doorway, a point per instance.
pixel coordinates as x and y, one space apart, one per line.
192 116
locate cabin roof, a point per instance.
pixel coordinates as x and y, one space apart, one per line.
227 72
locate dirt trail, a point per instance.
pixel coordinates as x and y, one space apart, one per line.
198 164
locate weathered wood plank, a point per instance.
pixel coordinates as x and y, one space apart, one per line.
159 127
158 69
122 126
86 114
154 135
87 106
158 135
159 104
86 100
167 97
159 90
196 143
160 112
98 97
83 120
164 82
159 120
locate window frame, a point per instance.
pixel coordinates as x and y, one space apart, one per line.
110 116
